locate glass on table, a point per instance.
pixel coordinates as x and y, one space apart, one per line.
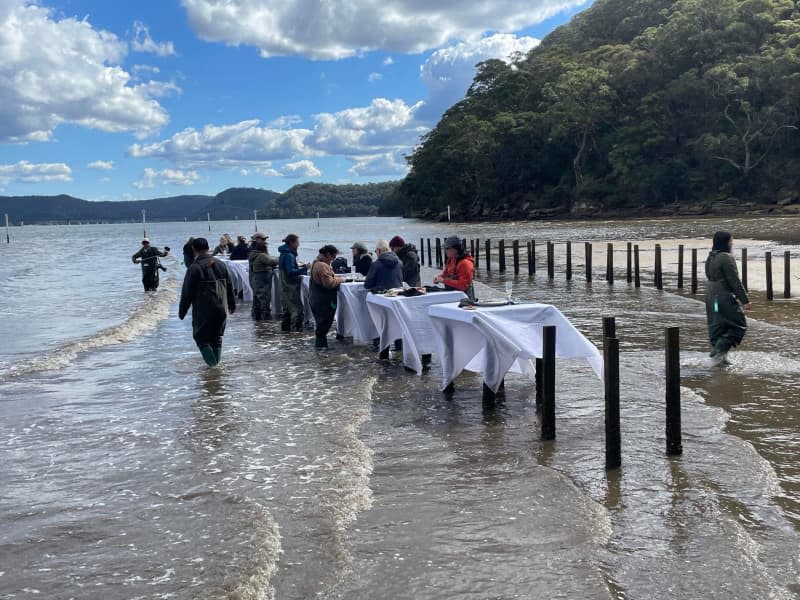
509 290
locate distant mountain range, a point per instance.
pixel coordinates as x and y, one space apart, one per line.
301 201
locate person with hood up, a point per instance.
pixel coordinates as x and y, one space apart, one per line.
148 257
387 270
291 278
208 290
261 266
407 253
324 289
726 299
459 268
240 250
362 260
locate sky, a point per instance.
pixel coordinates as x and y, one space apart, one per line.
107 100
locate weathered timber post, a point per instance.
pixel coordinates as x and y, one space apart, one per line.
659 280
549 383
569 261
551 260
501 255
680 266
629 263
610 264
787 266
673 392
587 258
744 267
530 258
515 252
488 255
694 270
768 257
637 277
611 376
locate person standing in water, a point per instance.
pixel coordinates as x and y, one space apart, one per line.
291 274
324 288
207 289
148 257
261 268
726 299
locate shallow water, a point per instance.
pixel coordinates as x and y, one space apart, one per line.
129 471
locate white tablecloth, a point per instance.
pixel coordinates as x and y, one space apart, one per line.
407 319
239 273
494 341
352 317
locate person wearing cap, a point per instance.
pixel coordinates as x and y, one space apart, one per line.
291 274
208 291
260 271
362 260
459 268
148 257
324 292
407 253
240 250
387 270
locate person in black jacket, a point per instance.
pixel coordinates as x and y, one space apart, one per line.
387 270
148 257
188 253
207 289
362 260
240 250
407 253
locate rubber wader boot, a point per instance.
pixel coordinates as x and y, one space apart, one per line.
218 354
321 342
208 355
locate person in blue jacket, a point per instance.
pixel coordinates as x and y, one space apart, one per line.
387 270
291 278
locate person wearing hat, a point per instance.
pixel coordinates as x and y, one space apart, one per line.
148 257
407 253
459 268
240 250
362 260
208 291
261 267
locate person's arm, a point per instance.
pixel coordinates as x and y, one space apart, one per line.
326 277
731 273
372 276
271 261
441 277
463 277
162 254
135 258
188 292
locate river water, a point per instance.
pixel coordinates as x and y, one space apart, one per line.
129 470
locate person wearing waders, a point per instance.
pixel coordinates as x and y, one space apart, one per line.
726 300
324 289
261 267
148 257
291 278
207 289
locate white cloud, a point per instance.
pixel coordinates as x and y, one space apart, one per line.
373 77
102 165
388 163
27 172
223 146
388 61
142 42
285 121
301 168
151 177
448 72
336 29
384 124
65 71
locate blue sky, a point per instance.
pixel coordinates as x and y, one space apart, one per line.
120 100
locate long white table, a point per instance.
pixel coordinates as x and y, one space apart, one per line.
352 316
240 278
405 318
494 341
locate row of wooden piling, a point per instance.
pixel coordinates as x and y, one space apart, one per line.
632 264
546 390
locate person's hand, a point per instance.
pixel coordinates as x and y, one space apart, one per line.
340 280
437 279
748 306
138 260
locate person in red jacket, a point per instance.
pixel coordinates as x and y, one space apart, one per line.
459 268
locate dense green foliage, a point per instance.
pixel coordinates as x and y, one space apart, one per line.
301 201
634 105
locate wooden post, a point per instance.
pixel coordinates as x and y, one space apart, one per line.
768 257
744 267
673 394
8 235
694 270
551 260
477 252
548 383
422 251
501 255
629 263
787 266
208 216
609 327
680 266
637 279
610 264
539 391
569 261
533 257
439 253
144 225
530 259
587 251
659 277
515 252
488 255
611 377
471 248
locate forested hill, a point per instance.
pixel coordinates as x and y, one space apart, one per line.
298 202
634 106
